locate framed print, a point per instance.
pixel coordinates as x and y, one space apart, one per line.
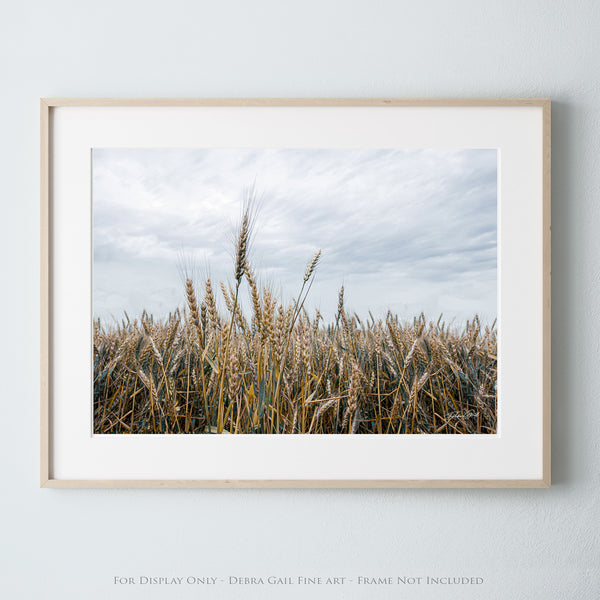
289 293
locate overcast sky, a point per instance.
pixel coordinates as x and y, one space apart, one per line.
405 230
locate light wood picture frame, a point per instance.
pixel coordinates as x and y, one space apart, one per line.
517 454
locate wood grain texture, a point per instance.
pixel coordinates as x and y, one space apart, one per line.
547 295
44 292
269 102
295 483
46 107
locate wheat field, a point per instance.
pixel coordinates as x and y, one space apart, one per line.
280 370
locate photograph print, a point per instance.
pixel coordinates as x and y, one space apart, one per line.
294 291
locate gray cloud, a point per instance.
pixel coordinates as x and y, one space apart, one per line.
408 230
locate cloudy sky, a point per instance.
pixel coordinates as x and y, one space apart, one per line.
405 230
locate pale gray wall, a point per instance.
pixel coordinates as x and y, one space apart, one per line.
536 544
